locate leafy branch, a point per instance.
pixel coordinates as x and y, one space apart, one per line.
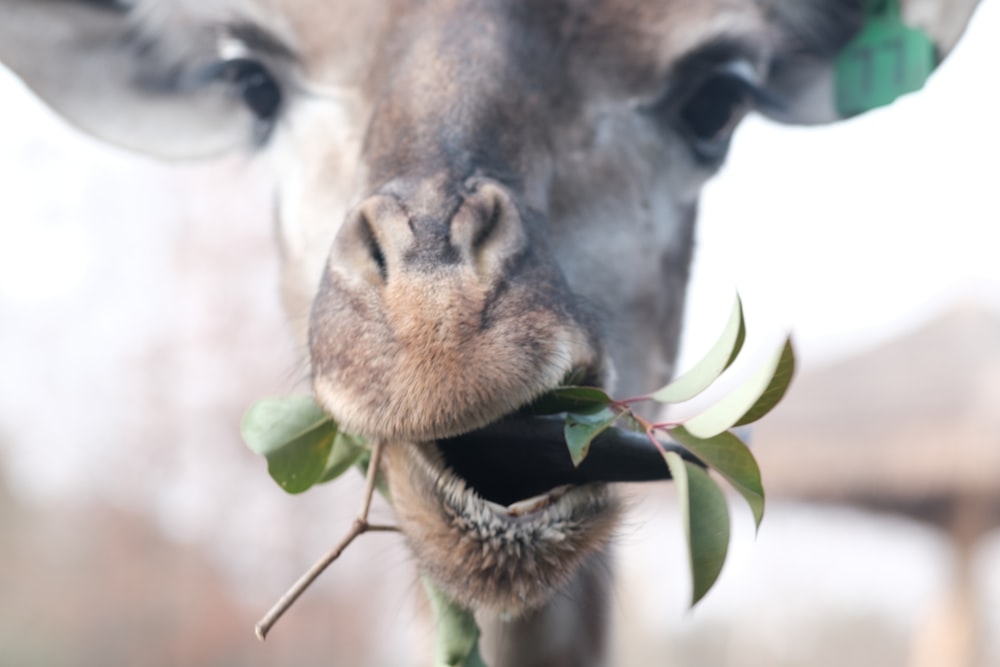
304 446
358 528
707 436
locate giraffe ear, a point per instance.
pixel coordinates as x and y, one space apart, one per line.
138 89
839 58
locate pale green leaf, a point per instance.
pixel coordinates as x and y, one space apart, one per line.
751 400
346 451
457 634
300 463
728 455
569 399
706 523
295 435
718 359
581 429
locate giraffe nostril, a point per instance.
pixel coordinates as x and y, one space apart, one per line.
488 230
371 244
488 222
371 241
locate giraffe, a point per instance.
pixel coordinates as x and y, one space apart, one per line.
476 199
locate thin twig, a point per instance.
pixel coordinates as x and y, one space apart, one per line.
379 528
373 466
360 526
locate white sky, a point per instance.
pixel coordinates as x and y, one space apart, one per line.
853 232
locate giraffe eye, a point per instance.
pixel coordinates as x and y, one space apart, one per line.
707 98
709 111
257 86
712 111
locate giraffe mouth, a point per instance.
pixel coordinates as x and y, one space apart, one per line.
500 518
520 463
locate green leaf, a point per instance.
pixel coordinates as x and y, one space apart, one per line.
751 400
628 421
457 640
776 388
718 359
346 451
581 429
706 523
580 400
728 455
295 435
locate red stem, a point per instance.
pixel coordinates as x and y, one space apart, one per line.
665 426
625 402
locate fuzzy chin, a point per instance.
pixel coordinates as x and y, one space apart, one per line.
490 558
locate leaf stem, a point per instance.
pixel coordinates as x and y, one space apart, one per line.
370 479
646 425
381 528
651 434
624 403
665 426
360 526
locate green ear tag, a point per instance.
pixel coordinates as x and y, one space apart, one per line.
885 60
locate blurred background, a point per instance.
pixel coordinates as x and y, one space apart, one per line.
139 317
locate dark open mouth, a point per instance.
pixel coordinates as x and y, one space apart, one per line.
523 457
